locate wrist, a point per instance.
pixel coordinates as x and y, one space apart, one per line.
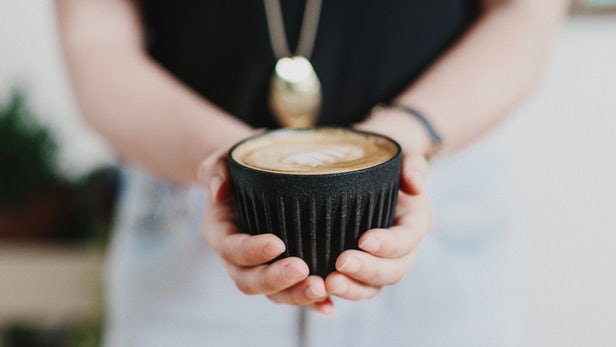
409 131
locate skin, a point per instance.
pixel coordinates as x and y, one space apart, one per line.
467 91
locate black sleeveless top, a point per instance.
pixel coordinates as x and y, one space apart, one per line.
366 51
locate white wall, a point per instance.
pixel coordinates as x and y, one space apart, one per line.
561 150
561 153
30 57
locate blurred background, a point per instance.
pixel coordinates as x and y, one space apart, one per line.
55 213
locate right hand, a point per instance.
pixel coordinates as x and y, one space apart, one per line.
246 257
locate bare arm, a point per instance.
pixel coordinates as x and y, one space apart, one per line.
470 88
152 119
147 115
484 76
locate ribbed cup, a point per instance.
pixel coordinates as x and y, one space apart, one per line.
317 216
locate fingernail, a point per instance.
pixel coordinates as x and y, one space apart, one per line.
293 273
371 244
338 287
327 311
215 184
350 265
272 249
314 293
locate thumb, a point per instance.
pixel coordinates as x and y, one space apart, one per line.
213 175
414 172
213 172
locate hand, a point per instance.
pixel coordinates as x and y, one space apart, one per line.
246 257
386 255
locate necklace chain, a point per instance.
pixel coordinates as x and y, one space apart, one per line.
308 31
295 90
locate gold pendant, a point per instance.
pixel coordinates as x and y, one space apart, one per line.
295 93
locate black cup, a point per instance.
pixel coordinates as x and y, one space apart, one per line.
317 216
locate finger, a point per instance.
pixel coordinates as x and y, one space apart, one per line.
307 292
271 278
213 172
414 212
325 307
414 172
372 270
220 214
394 242
348 288
213 175
247 250
410 227
236 248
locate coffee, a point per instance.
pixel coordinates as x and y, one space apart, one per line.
317 189
314 152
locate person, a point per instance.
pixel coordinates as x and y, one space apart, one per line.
172 85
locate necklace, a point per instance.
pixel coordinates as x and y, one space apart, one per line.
295 91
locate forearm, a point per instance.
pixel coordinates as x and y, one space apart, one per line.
146 114
478 81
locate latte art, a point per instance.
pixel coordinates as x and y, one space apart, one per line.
322 155
320 151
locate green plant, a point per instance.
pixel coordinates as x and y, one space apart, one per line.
27 154
86 333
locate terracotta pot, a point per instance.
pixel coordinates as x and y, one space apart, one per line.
42 217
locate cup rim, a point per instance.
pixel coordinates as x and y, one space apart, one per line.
344 173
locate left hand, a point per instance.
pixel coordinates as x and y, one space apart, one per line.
386 255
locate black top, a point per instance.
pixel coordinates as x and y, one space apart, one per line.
366 51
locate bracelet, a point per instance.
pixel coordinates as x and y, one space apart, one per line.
435 138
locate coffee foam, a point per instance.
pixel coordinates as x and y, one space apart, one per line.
312 152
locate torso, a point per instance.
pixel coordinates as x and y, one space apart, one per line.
366 51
